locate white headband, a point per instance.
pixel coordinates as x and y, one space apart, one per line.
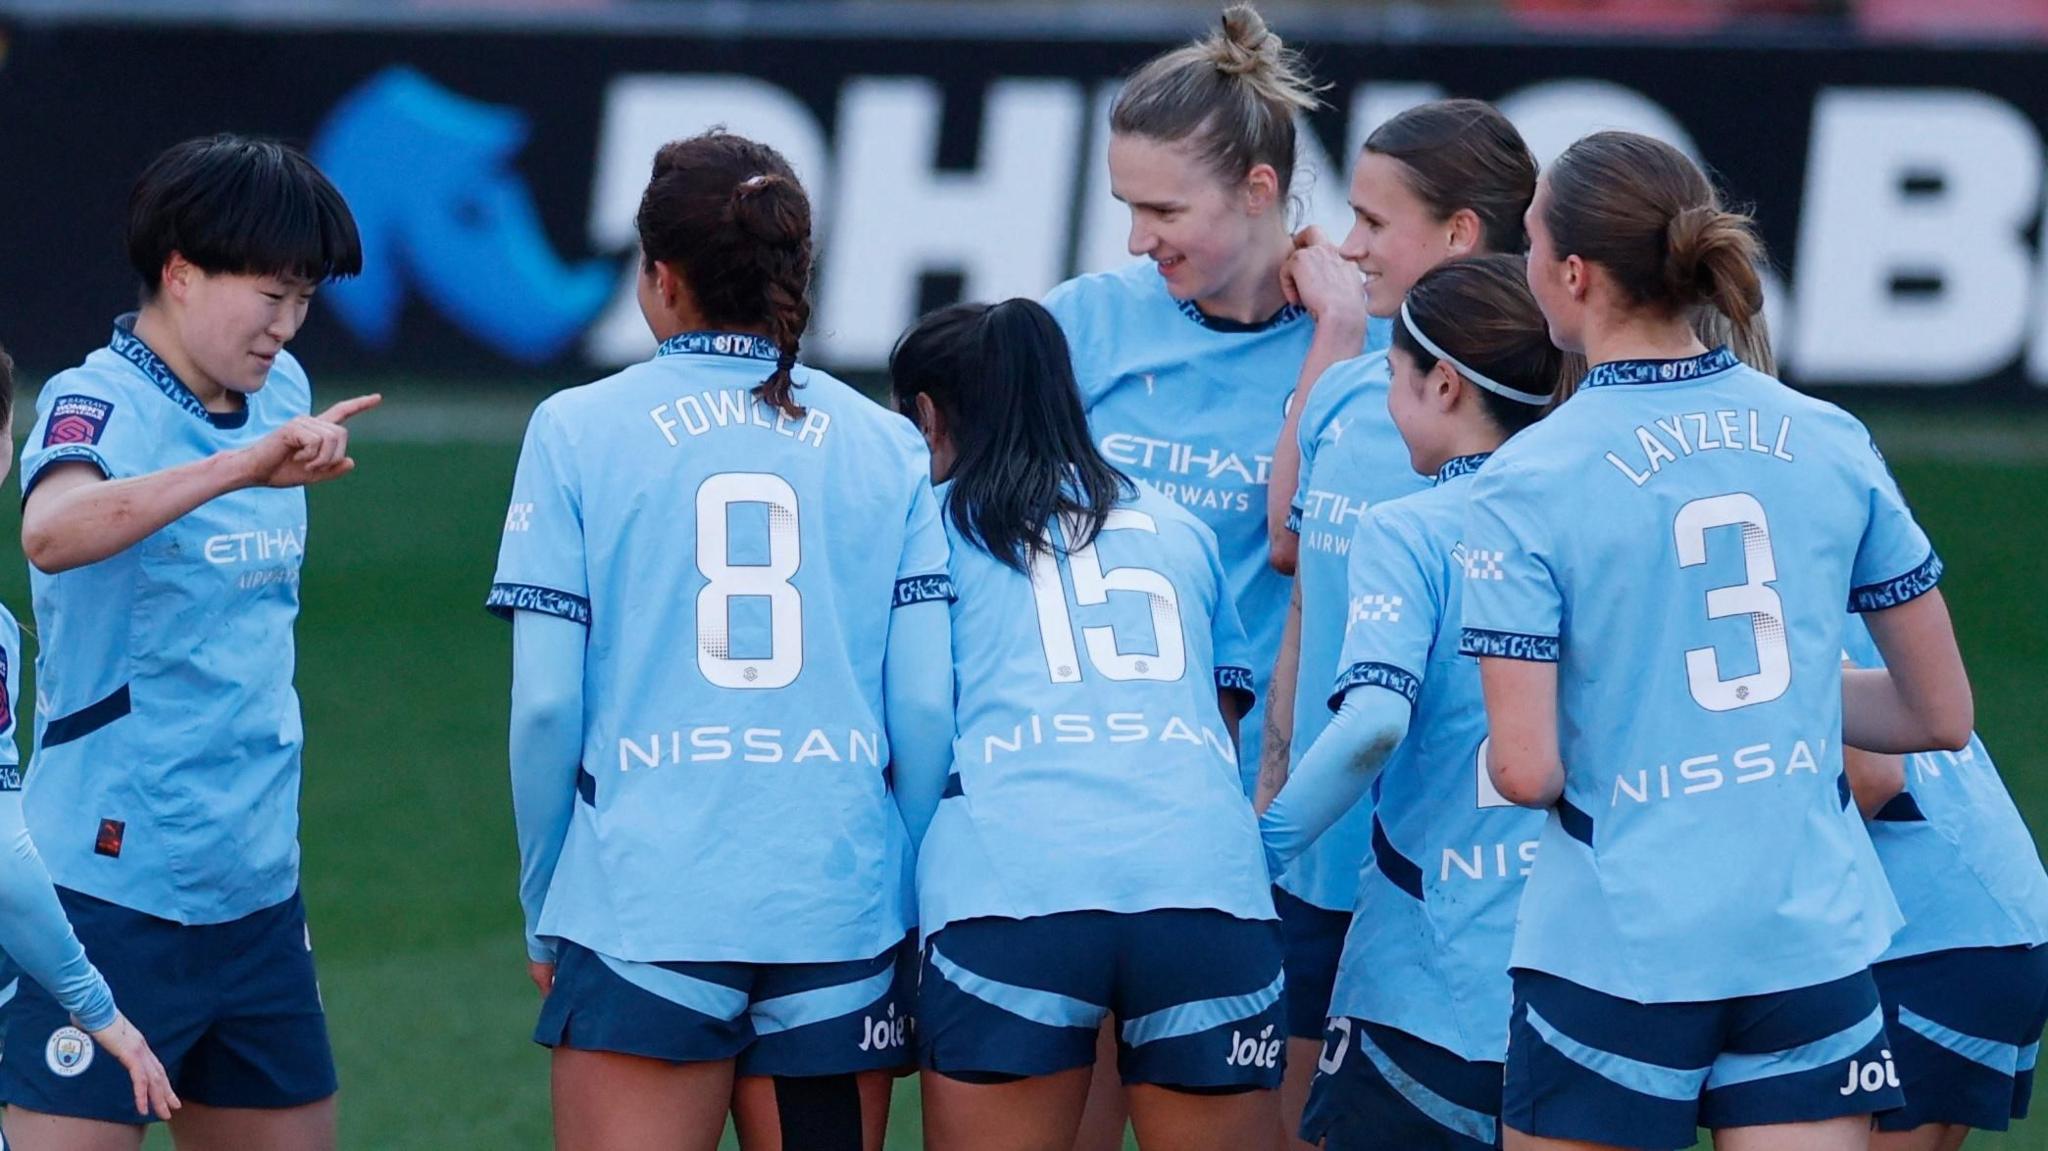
1494 386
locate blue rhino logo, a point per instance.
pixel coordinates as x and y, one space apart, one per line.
428 175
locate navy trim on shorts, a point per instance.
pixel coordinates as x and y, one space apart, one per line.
87 719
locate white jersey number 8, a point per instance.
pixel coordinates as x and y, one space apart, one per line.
730 581
1092 586
1753 597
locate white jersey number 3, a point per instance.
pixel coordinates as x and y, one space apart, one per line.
1753 598
1092 586
730 581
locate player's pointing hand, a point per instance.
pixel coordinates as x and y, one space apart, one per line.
308 450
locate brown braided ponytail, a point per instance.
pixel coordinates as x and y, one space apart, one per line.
728 214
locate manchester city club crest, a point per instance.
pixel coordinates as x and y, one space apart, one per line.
69 1052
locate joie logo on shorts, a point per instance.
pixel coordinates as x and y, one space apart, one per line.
1260 1051
69 1052
883 1034
1871 1076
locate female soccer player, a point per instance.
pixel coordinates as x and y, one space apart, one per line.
1094 856
1965 981
1418 1027
1185 358
1656 575
165 519
33 930
728 584
1439 181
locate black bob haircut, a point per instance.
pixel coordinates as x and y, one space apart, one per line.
238 206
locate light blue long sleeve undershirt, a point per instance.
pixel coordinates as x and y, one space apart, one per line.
1337 772
917 702
35 932
546 748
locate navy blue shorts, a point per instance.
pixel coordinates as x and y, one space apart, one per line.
795 1019
1196 995
1314 941
1378 1089
1965 1027
232 1009
1583 1065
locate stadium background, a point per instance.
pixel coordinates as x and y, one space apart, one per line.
1892 149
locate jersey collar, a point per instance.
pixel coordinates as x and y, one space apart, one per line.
1461 466
1660 371
739 345
129 346
1287 314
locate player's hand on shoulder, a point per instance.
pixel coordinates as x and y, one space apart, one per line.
1325 283
153 1094
308 450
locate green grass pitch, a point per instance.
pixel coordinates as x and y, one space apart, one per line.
409 857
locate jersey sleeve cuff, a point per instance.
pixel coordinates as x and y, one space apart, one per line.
70 453
506 598
1901 589
1368 673
1238 679
1294 519
1481 641
923 589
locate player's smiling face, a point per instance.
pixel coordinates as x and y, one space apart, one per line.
232 326
1394 237
1198 229
1550 276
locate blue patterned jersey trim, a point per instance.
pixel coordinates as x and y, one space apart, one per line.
1235 679
506 598
1660 371
1893 592
1294 520
1461 466
923 589
1398 680
1508 645
1287 314
129 346
741 345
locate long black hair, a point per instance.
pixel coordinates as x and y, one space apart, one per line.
1002 379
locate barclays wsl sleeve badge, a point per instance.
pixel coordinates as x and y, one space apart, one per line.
76 420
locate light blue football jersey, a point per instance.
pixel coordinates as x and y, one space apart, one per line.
165 776
1092 769
1427 952
1193 406
737 569
1681 538
1352 459
1960 859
